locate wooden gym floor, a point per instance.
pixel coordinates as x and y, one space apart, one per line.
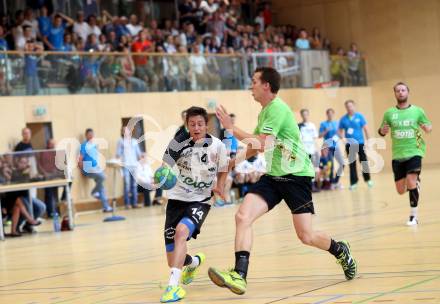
124 262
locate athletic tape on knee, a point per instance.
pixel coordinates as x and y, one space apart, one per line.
190 224
413 197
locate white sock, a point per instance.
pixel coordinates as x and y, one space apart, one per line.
195 262
414 211
175 276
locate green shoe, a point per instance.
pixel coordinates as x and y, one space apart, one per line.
229 279
370 184
353 187
189 273
173 294
346 260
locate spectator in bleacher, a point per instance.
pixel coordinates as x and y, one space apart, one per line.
30 21
169 28
259 21
327 45
93 26
169 45
186 11
215 82
3 42
208 6
89 166
339 68
103 46
20 42
184 69
17 30
91 43
107 81
161 69
90 71
44 22
90 7
302 43
127 150
67 43
199 68
354 62
31 67
134 27
128 71
190 34
316 39
113 41
80 26
54 41
121 27
144 70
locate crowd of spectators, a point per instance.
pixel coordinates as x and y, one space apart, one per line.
203 27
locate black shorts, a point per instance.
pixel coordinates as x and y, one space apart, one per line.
402 167
193 215
296 191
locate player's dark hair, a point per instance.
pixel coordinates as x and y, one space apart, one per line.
330 110
195 111
349 101
232 115
303 110
271 76
88 130
400 83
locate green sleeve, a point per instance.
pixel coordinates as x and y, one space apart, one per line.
272 121
422 118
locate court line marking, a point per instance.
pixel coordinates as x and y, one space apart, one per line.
329 299
397 289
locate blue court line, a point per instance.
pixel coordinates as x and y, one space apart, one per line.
329 299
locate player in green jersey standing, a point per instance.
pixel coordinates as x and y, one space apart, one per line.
289 178
405 121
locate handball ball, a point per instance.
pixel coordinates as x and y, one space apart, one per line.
165 178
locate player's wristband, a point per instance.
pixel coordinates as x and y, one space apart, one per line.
380 133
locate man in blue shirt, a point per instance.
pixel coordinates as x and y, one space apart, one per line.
352 126
54 40
329 131
44 23
88 163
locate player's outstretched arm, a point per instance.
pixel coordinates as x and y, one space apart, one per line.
257 141
219 189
